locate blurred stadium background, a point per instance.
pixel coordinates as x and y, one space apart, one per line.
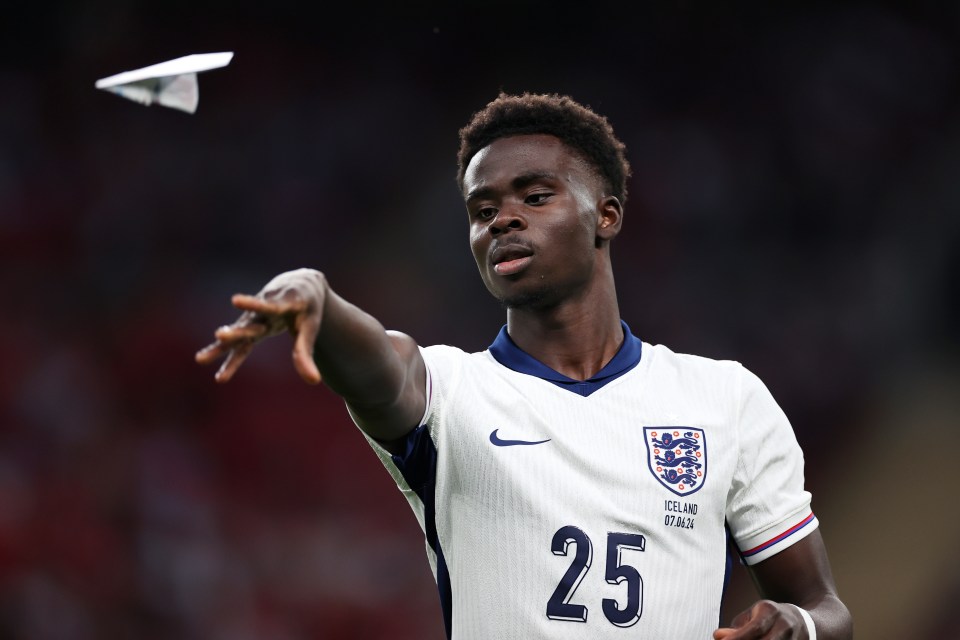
794 206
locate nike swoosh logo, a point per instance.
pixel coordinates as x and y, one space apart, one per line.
511 443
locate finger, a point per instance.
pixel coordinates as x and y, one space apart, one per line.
241 331
743 633
227 338
303 360
268 307
211 352
236 357
753 630
751 624
742 618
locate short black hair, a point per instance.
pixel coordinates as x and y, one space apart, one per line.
576 125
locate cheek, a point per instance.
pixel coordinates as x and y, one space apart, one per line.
477 245
575 235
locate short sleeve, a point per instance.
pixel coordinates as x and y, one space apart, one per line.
768 508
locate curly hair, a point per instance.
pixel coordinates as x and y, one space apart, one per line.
578 126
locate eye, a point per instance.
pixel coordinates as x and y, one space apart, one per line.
485 213
538 198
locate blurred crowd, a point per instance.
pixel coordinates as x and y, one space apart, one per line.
794 206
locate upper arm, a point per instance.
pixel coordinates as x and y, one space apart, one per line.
380 374
392 421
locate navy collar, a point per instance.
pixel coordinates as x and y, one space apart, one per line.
506 352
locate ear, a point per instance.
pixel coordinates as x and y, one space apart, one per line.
609 219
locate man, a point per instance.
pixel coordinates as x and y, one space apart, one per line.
571 480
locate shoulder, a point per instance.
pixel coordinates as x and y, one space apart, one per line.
665 361
440 352
709 375
446 359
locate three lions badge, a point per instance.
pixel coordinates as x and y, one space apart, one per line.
677 457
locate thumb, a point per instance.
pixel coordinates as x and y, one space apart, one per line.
303 362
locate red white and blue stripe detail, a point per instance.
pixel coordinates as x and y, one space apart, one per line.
770 545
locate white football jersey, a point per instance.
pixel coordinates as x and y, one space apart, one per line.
558 508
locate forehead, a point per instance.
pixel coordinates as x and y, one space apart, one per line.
507 157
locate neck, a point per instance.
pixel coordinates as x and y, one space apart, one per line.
576 337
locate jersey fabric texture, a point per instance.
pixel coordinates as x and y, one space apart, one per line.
558 508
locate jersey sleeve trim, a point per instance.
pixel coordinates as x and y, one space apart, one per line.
428 393
770 543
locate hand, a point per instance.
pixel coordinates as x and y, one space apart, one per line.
766 620
293 301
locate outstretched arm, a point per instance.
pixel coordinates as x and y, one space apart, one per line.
799 575
379 373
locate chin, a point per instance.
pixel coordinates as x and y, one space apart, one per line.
532 299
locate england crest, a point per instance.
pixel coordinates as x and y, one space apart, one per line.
677 457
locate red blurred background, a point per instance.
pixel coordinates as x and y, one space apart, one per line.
794 206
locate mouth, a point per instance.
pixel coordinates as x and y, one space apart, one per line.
510 259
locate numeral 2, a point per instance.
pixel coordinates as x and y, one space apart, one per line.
559 606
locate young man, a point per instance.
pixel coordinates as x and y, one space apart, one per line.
571 480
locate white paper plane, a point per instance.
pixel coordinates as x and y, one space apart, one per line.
172 83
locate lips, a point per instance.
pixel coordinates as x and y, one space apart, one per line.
510 259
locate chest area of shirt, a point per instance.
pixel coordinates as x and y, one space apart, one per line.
619 442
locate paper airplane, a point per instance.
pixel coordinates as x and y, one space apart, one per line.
172 83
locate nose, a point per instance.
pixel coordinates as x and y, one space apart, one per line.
507 219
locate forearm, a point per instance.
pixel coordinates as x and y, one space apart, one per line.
798 576
378 373
831 617
355 355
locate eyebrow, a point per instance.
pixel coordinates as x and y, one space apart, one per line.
519 182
